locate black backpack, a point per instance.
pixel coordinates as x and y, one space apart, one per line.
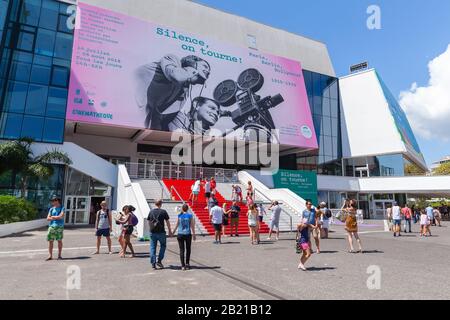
153 222
328 213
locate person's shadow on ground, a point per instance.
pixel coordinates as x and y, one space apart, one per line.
320 268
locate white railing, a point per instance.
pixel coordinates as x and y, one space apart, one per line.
129 193
284 195
159 171
336 214
270 201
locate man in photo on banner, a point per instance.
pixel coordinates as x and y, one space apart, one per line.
164 86
203 114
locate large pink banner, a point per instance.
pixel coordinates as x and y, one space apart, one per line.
133 73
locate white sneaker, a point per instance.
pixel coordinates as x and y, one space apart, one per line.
301 266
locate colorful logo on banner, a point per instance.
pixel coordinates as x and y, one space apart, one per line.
134 73
303 183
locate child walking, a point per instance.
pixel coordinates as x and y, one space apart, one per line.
424 222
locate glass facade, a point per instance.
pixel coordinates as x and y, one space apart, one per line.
323 95
35 49
38 191
377 166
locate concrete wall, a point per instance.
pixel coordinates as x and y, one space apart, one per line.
419 184
19 227
83 161
204 21
367 124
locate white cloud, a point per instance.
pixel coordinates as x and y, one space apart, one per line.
428 108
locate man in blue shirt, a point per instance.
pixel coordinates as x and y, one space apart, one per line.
56 227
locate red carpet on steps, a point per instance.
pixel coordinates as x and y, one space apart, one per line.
184 189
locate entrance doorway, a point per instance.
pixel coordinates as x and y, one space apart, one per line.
77 209
94 207
82 209
380 207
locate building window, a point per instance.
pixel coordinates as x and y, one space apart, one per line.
53 130
31 11
36 100
63 46
45 42
32 127
16 96
11 125
37 61
25 41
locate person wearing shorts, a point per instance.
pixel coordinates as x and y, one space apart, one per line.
103 226
216 218
261 212
195 190
423 224
397 218
234 221
275 220
56 227
303 244
225 218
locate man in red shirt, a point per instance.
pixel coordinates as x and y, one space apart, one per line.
407 214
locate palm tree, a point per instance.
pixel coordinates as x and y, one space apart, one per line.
17 156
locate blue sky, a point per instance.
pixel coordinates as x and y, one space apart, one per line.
413 32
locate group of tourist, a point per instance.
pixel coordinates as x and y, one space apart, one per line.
426 217
103 227
313 224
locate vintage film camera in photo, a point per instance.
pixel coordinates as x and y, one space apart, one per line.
252 113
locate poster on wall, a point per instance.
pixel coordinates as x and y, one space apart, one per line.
401 122
302 183
133 73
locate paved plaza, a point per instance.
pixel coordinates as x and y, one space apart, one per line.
411 268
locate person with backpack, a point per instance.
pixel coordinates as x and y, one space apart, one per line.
103 226
55 227
128 221
185 227
325 219
156 219
407 214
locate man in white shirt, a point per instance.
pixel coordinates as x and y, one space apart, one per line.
195 190
216 216
397 218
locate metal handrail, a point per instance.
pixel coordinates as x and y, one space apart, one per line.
173 171
177 193
283 210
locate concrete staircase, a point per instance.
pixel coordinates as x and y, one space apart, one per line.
172 209
153 189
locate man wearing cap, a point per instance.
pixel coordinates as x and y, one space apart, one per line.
103 226
56 227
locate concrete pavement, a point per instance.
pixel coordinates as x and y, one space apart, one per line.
410 267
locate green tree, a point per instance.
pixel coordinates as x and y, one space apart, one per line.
17 156
442 170
413 170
